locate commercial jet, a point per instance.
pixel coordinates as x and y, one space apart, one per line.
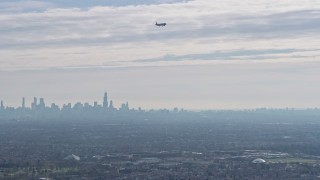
160 24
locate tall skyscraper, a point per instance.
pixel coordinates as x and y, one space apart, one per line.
23 105
111 105
34 104
127 106
42 105
105 100
2 106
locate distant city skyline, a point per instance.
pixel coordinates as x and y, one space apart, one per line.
105 102
35 104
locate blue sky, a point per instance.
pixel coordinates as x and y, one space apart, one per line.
41 5
118 38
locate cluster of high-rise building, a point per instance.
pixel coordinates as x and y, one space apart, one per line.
38 106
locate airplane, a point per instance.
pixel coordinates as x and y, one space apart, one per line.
160 24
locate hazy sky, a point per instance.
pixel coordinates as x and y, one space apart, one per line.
212 54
